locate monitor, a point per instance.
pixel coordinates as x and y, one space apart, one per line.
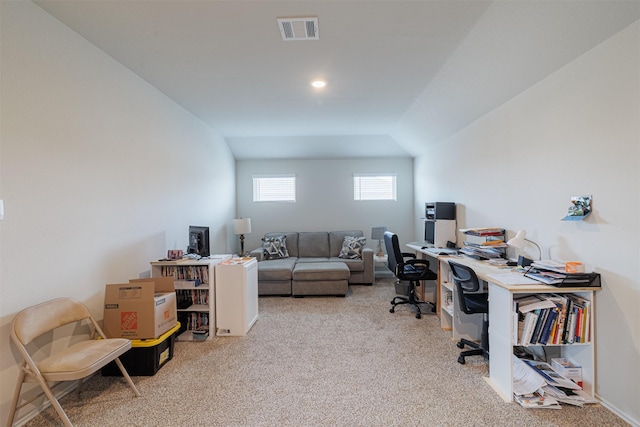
199 240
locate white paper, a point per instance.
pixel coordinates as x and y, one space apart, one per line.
525 379
513 279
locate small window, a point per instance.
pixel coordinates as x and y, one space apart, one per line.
374 187
274 188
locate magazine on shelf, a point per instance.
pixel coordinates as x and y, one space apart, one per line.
536 385
550 376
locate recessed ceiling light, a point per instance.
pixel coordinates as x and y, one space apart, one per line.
318 83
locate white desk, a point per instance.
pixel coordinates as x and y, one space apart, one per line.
434 265
501 324
461 325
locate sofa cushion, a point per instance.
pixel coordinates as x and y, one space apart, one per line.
275 247
313 244
336 238
276 269
352 247
353 264
316 259
324 271
292 241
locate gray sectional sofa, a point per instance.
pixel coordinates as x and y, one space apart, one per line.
312 264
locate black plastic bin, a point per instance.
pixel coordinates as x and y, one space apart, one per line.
146 357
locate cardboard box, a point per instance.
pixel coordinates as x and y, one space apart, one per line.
140 309
567 369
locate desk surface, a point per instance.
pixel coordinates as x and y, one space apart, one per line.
488 272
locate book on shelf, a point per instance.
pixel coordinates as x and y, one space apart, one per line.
548 326
554 320
530 320
533 302
197 273
551 377
537 331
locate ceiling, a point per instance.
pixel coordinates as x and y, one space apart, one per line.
401 75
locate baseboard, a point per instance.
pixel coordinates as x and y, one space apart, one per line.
60 392
612 408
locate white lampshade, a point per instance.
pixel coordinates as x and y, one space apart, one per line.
519 240
242 226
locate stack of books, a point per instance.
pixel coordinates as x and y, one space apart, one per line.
490 246
553 319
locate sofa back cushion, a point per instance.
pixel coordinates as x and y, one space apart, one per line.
291 241
337 237
313 244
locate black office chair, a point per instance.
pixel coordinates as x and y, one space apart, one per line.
405 266
466 283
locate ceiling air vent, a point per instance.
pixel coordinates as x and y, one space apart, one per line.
299 28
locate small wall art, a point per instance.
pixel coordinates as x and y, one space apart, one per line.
580 208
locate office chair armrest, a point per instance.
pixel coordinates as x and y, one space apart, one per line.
408 255
419 262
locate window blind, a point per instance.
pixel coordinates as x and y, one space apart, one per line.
274 188
374 187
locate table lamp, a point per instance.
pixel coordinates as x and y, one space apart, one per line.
241 227
377 233
520 240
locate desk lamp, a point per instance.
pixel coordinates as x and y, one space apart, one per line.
520 240
377 233
241 227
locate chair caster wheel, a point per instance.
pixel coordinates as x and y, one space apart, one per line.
459 345
461 360
391 310
418 316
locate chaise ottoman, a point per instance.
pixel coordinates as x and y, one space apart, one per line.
320 278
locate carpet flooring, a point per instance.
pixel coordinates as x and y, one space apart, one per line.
318 361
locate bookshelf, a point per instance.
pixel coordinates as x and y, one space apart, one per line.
194 282
461 325
580 352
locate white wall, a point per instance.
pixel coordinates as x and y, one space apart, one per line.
324 198
100 173
576 132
